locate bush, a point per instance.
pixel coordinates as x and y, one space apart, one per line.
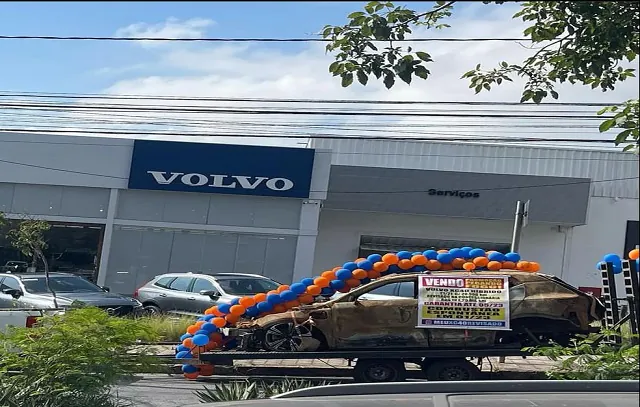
166 327
69 359
250 390
587 358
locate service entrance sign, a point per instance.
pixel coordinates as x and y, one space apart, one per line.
463 302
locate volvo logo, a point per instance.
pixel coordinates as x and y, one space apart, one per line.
112 311
220 181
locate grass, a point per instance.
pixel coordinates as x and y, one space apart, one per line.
169 328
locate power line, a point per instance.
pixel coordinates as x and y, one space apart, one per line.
174 39
62 95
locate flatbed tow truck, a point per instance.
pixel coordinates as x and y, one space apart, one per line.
385 365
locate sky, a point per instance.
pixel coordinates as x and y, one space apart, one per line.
267 70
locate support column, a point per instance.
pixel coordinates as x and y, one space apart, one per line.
106 240
308 233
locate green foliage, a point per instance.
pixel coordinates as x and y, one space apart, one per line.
166 327
579 42
626 118
589 359
251 390
71 357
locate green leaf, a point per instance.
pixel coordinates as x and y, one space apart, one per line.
347 79
504 64
389 80
606 125
363 78
421 72
355 14
424 56
554 94
334 66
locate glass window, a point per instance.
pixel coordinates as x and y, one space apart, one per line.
202 285
164 282
387 289
59 284
407 289
10 284
246 285
180 283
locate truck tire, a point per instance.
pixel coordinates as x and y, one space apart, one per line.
379 371
450 370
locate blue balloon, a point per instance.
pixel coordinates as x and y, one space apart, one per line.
393 269
466 250
365 281
350 266
252 312
209 327
274 299
288 295
337 284
234 301
298 288
202 332
617 269
430 254
418 269
496 256
444 258
374 258
612 258
477 253
264 306
184 355
416 254
327 292
200 318
404 255
208 317
512 257
181 348
600 265
224 308
185 336
343 274
200 339
365 265
457 253
307 282
189 369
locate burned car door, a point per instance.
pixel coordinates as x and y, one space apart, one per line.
366 324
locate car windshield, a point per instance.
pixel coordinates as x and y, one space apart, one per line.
246 285
59 284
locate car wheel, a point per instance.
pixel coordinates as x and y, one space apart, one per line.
451 370
379 371
152 310
285 337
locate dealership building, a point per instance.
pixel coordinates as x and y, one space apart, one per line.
123 210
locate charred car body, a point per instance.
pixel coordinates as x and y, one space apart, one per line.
542 308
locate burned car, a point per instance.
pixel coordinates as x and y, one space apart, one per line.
542 308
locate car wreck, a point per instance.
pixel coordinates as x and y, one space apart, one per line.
542 308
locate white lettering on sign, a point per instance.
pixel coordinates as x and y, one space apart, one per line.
444 282
221 180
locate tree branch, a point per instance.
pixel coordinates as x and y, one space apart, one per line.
425 14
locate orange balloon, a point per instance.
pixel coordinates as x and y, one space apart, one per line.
192 329
457 263
352 282
329 275
433 265
336 269
292 304
279 308
306 299
314 290
405 264
273 292
247 302
211 345
390 259
359 274
419 260
469 266
191 376
446 267
205 370
359 259
380 266
208 311
509 265
199 323
523 265
188 343
260 297
282 288
322 282
634 254
345 289
237 310
491 251
494 265
372 274
534 267
443 251
219 322
215 311
481 261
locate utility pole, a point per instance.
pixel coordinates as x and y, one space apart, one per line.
522 215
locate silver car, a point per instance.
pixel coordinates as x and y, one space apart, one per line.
192 294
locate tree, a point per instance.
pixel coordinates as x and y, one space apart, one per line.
579 42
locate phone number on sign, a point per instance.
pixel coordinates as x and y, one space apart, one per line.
462 323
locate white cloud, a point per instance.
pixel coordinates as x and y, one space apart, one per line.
171 28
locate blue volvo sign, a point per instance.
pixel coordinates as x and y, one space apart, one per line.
221 168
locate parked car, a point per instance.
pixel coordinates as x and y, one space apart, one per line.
542 308
15 266
192 294
29 290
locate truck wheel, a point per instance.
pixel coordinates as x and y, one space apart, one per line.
445 370
379 371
